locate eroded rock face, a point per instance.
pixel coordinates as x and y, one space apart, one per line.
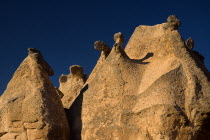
71 85
156 89
30 107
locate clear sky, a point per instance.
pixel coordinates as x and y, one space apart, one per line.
65 30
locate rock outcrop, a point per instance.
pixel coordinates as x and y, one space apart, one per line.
157 88
30 107
71 85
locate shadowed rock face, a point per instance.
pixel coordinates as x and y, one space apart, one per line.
155 89
30 107
71 86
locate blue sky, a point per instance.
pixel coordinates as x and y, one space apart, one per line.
64 31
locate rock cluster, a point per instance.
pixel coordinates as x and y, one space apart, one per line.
156 88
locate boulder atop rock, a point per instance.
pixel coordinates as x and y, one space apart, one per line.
119 38
173 22
101 46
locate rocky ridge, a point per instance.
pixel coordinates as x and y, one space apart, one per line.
155 88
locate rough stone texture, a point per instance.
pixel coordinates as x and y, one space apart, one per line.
156 89
30 107
71 85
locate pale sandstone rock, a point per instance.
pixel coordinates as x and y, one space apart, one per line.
119 38
70 85
155 89
30 107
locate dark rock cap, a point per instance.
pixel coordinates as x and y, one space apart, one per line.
173 22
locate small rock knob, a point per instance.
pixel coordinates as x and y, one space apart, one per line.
173 22
76 70
101 46
190 43
33 50
119 38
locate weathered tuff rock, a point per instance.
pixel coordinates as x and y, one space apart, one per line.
30 107
71 85
156 89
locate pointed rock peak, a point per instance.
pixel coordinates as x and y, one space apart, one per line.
37 56
30 107
189 43
119 38
173 22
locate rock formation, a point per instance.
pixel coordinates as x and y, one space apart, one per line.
71 85
156 88
30 107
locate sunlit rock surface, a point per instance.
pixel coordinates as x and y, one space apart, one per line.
30 107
